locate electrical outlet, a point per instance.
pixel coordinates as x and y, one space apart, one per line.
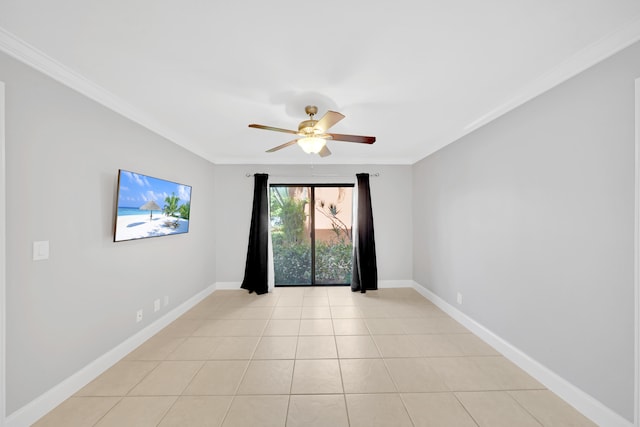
156 305
40 250
166 300
459 298
139 316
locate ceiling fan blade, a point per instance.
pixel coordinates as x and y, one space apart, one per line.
324 152
280 147
253 125
353 138
328 120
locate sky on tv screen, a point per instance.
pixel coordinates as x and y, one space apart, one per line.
136 190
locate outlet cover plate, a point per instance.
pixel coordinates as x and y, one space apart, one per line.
41 250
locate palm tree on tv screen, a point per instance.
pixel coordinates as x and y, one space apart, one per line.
184 210
171 205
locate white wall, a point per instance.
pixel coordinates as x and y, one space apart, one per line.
391 200
531 218
63 154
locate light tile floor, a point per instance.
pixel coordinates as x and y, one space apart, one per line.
309 357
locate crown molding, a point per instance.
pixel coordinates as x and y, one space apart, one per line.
396 161
586 58
29 55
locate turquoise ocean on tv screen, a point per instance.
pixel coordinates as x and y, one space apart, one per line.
135 211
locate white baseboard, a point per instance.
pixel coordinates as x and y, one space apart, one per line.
583 402
43 404
225 286
381 284
386 284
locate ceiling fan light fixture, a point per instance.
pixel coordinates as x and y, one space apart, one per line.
312 145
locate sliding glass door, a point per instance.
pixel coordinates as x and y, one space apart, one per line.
311 234
290 236
332 232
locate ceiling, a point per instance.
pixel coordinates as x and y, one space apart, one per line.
415 74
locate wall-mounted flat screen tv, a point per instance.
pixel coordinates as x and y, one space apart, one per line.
150 207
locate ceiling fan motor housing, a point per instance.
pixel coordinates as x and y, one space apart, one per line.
307 127
311 110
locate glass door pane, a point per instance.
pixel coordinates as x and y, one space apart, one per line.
332 230
291 234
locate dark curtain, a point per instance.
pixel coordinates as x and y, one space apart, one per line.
256 269
365 268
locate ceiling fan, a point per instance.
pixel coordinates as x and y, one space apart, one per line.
312 134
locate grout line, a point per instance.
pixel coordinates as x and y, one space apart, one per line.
404 405
226 413
170 408
455 395
105 414
346 407
286 416
523 407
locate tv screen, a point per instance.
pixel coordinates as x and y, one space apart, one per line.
150 207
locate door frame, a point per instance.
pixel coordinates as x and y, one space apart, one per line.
3 260
312 215
636 256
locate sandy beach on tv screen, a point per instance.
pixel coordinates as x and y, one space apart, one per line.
131 227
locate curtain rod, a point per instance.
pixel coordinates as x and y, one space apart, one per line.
376 174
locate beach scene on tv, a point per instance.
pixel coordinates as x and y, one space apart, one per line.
150 207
